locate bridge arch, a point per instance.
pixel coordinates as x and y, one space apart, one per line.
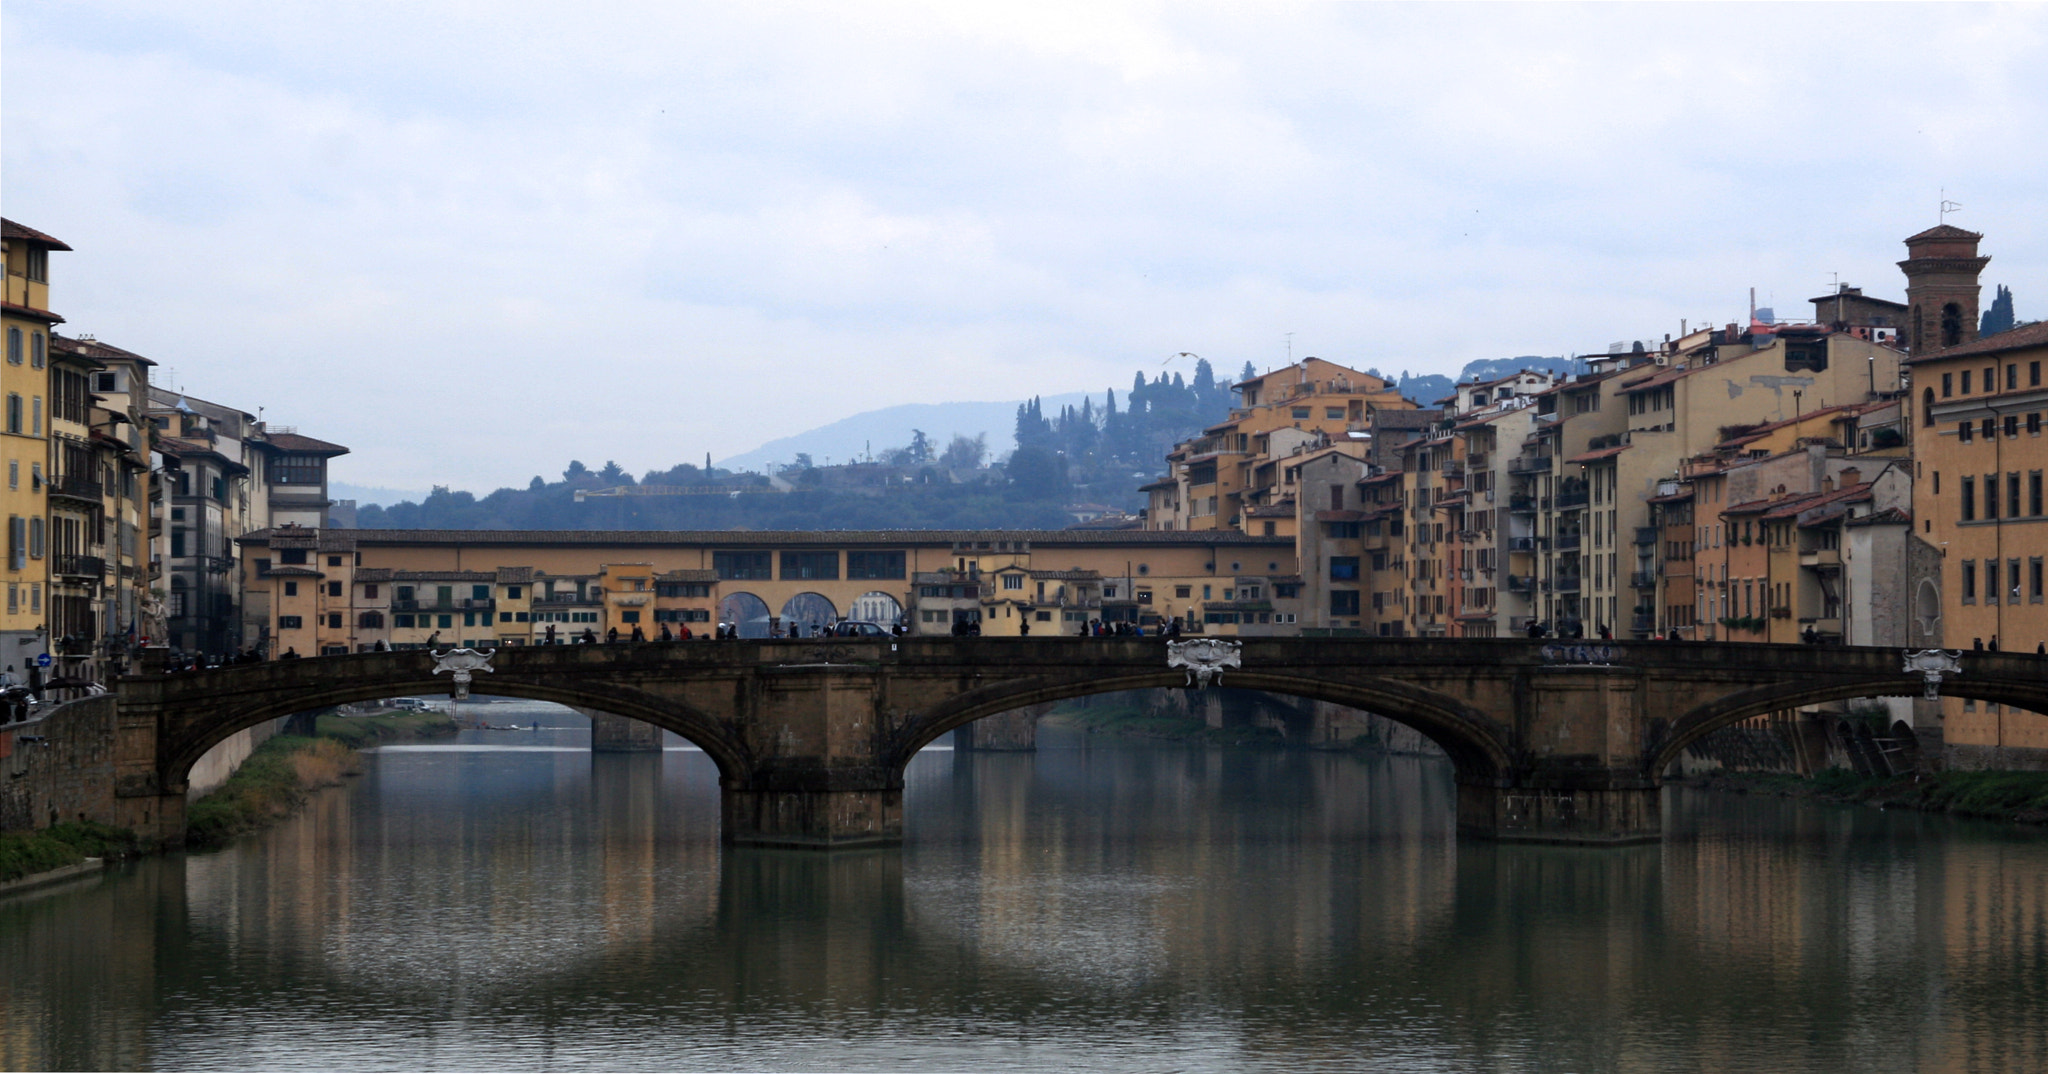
1467 735
1729 709
182 751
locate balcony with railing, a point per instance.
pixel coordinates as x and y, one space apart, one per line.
1522 504
1820 557
1646 535
1567 542
1642 580
1572 499
1642 622
1529 464
566 598
1521 583
71 566
1565 583
1528 544
72 486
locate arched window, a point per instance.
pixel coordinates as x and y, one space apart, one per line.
1951 325
1927 406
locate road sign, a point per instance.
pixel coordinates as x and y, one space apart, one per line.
42 660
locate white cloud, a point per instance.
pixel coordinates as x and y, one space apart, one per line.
473 241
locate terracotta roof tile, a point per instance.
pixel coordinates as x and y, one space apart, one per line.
11 230
298 445
1600 453
31 313
2026 335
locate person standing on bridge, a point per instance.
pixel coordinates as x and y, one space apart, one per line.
1024 629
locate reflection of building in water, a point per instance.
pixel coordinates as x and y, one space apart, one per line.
1214 890
625 796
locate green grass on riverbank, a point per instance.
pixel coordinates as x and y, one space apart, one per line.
24 853
357 732
274 782
2018 796
269 786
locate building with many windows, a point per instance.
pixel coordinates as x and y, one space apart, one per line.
27 322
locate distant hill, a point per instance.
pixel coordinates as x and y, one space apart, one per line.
1427 388
874 430
877 430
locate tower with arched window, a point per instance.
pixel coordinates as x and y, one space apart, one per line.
1941 270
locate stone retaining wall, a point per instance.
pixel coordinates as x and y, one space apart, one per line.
60 766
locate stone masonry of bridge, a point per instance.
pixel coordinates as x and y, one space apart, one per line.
1550 742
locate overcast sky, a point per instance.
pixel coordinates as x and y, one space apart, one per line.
472 241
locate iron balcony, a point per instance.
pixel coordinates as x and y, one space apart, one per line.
70 566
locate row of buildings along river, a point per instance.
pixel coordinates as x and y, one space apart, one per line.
1871 476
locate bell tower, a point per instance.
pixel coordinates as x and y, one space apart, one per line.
1941 270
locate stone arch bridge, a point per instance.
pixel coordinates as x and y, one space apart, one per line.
1557 742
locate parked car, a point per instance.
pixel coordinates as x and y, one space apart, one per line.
854 628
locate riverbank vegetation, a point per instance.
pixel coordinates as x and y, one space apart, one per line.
279 775
269 786
2015 796
26 853
358 732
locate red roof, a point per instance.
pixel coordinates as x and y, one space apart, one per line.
1798 506
31 313
1943 231
93 348
11 230
299 445
1600 453
2026 335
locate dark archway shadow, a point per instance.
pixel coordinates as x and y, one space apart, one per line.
693 726
1725 711
1467 736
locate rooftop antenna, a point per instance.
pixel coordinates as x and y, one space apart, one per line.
1290 347
1947 206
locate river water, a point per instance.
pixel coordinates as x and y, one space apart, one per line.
508 901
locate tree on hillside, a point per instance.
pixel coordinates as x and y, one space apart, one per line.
965 453
1037 473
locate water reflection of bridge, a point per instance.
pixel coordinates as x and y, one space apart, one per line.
1326 921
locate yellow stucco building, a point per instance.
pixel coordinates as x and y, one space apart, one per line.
27 322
